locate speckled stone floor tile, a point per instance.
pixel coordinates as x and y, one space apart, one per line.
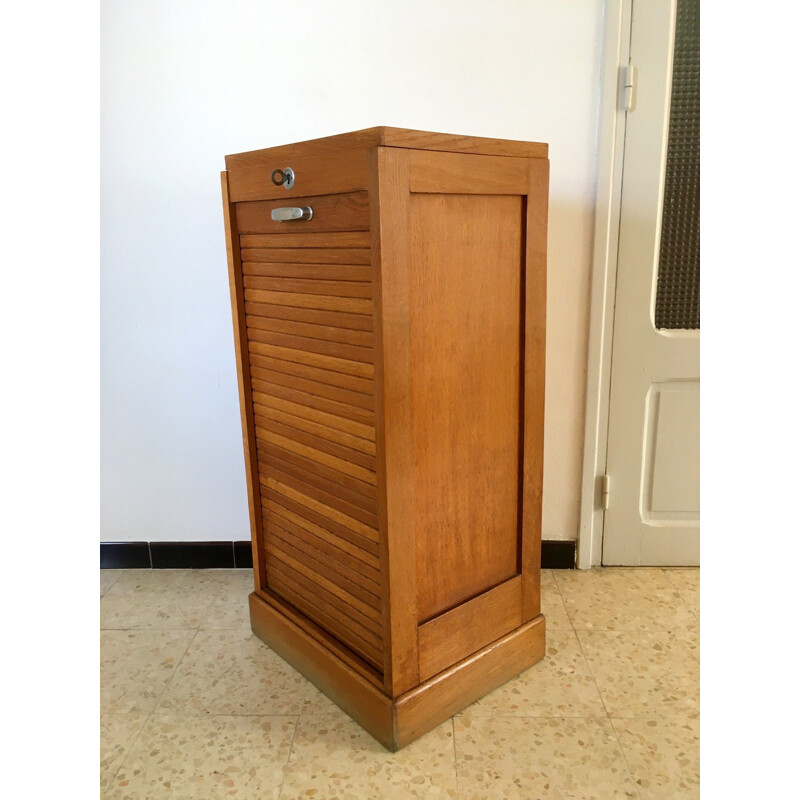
687 582
226 706
206 758
613 599
511 758
161 598
231 609
233 672
107 579
663 756
646 674
561 685
117 734
553 608
135 667
335 759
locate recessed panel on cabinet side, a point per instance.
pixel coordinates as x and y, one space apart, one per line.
466 278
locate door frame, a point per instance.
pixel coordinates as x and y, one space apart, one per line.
610 161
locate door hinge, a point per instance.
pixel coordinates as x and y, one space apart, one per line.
629 87
605 491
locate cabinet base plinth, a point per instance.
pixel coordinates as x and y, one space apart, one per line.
395 722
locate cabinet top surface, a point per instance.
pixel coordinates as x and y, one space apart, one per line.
391 137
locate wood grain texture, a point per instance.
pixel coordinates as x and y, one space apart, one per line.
326 333
534 371
448 692
309 317
394 723
310 301
465 273
392 398
336 214
388 171
383 136
453 173
308 255
347 239
281 269
338 678
346 172
469 626
257 333
243 380
360 549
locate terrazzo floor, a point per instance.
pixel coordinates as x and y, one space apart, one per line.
194 707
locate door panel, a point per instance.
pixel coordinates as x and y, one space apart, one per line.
654 411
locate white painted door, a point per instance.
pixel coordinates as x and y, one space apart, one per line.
653 461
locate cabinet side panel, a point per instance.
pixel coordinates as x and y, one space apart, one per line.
465 257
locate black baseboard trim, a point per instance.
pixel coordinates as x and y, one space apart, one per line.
239 555
558 554
176 555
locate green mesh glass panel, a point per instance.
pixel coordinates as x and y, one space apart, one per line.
678 293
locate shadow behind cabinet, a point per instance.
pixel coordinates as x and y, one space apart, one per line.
390 350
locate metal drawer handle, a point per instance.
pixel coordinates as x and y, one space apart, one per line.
291 212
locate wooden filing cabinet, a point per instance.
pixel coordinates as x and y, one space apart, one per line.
390 347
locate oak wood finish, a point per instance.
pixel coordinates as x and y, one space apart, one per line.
469 626
394 723
389 137
390 354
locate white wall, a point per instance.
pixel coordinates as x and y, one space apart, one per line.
184 83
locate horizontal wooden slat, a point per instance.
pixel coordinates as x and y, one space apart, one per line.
468 627
330 363
325 333
333 613
329 549
332 480
345 410
348 305
315 388
287 464
269 609
337 239
367 531
357 289
276 503
344 172
346 632
265 427
367 592
348 352
294 479
352 382
315 415
453 173
363 613
328 272
334 319
320 431
295 441
353 547
310 255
